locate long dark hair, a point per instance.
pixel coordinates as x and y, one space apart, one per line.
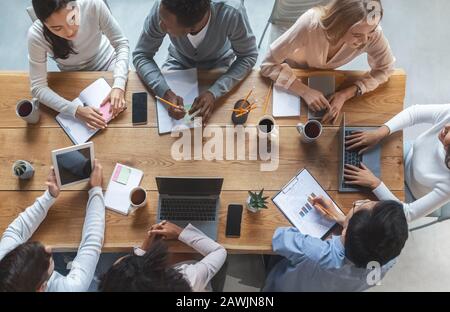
25 268
147 273
62 48
447 158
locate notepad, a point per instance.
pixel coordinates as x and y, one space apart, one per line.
123 180
285 104
92 96
293 201
185 84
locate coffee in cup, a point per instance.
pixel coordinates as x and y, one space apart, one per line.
138 197
310 131
267 128
28 110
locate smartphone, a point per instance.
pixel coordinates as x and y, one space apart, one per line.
234 218
140 108
324 84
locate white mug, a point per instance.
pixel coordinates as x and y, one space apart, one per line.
28 111
309 137
273 134
144 201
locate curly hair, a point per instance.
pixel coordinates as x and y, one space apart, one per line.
188 12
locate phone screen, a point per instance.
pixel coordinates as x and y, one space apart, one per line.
234 218
140 108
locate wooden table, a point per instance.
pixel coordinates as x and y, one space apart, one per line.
143 148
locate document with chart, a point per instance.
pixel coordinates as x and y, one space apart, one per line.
292 200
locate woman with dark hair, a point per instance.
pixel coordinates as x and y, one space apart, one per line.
147 269
328 37
427 159
79 35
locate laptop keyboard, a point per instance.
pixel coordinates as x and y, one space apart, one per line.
351 158
173 209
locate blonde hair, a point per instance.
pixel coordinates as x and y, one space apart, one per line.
337 17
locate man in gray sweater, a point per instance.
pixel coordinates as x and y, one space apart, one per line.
204 34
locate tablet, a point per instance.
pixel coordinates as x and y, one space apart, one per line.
73 164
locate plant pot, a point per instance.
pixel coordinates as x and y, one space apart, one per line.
250 208
26 169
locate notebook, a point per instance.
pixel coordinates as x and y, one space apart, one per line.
293 202
285 104
123 180
185 84
92 96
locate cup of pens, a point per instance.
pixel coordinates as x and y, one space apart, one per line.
242 108
23 169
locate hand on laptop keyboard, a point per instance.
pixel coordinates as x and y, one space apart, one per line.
360 176
363 141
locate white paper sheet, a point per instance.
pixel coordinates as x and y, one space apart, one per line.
185 84
293 200
285 104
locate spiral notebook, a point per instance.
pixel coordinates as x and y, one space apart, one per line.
293 202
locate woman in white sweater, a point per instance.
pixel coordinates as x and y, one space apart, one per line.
427 163
147 269
79 35
28 266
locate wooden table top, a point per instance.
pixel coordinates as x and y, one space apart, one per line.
141 147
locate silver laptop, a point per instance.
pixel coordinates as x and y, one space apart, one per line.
327 86
190 200
371 158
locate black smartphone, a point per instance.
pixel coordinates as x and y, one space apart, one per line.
234 218
140 108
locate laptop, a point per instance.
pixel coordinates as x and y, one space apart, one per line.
190 200
371 158
324 84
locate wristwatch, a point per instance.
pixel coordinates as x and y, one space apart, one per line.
358 91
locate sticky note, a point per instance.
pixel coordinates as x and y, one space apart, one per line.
122 175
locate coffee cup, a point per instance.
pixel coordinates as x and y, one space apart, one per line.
28 110
267 128
138 197
310 131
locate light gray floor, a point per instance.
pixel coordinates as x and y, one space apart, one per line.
418 33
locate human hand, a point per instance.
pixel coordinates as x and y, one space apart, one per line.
91 116
360 176
97 175
167 230
51 183
175 113
366 140
117 99
315 100
205 104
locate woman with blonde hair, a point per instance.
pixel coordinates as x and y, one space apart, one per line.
328 37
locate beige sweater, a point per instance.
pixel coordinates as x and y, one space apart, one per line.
305 46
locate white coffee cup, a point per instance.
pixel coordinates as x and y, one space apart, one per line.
28 110
138 197
267 128
310 131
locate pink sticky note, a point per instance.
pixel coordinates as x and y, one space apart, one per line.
117 173
105 111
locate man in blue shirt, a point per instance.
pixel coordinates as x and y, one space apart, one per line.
373 235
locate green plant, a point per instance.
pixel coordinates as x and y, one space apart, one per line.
257 200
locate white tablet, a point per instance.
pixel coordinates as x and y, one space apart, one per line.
73 164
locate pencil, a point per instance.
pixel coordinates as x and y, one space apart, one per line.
266 103
248 95
168 103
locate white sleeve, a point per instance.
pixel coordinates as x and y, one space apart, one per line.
201 273
84 264
113 32
37 57
419 208
23 227
418 114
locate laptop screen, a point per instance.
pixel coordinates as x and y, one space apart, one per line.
189 186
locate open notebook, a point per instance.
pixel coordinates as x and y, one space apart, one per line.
285 103
293 202
92 96
185 84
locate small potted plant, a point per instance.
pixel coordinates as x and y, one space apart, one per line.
256 201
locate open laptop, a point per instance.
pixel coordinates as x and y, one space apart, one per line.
190 200
370 158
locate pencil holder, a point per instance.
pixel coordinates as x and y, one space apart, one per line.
23 169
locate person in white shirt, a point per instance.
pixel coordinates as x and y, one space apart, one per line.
427 163
28 266
79 35
147 269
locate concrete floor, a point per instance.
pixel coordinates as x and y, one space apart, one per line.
418 33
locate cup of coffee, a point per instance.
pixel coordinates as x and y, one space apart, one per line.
138 197
310 131
28 110
267 128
